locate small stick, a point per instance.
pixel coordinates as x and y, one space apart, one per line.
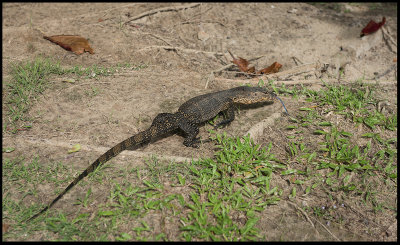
233 57
202 21
151 34
304 213
230 65
386 72
386 37
181 49
159 10
295 59
333 235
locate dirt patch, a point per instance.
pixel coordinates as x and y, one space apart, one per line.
180 49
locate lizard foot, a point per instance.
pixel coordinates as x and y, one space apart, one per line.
192 143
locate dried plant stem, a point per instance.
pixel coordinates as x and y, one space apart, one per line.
159 10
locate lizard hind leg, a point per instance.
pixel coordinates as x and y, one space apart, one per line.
165 122
162 124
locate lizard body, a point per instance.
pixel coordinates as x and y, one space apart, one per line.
188 117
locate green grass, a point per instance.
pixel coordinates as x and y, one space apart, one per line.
339 154
352 101
30 79
236 181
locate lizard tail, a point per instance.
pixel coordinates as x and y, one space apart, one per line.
156 129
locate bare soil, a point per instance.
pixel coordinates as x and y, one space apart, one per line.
181 49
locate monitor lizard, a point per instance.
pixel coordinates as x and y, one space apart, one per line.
188 118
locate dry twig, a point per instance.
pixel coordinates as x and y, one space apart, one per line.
386 37
386 72
211 77
297 61
182 50
159 10
304 213
330 233
153 35
295 71
202 21
230 65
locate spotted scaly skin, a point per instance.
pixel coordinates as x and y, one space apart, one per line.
188 118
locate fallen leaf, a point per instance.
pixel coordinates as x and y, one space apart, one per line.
75 148
70 80
76 44
247 175
242 64
274 68
251 69
5 227
372 27
8 149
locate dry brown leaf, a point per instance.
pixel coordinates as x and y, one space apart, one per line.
241 63
372 27
76 44
243 66
274 68
251 69
5 227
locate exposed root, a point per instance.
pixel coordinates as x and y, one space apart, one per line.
298 82
257 130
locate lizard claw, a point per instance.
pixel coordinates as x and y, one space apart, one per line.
192 143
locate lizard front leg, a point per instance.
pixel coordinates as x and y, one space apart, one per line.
230 116
191 131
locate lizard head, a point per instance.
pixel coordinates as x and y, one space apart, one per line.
251 95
